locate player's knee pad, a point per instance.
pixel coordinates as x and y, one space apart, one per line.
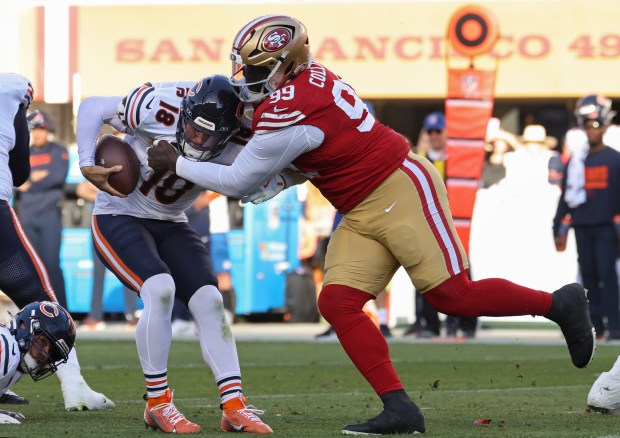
337 301
455 296
206 299
158 292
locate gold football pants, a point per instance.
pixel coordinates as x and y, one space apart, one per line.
405 221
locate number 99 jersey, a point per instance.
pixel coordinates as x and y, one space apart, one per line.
150 112
357 152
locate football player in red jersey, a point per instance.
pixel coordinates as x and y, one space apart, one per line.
310 124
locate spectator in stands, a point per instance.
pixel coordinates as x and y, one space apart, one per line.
41 196
591 195
498 143
575 139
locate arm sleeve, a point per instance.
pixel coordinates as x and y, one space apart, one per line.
19 156
93 113
263 156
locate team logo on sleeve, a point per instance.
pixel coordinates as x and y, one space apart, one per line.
276 39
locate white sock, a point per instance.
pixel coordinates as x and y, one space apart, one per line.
216 339
69 369
154 330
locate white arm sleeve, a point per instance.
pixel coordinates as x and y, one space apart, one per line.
229 154
263 156
93 113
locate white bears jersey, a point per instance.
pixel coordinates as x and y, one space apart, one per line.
151 113
9 360
15 90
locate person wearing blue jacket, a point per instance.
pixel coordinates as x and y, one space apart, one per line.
40 199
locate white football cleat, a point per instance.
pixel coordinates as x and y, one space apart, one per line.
604 396
79 397
8 417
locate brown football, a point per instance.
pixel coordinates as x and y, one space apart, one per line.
112 151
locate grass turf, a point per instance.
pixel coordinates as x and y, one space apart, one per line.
312 390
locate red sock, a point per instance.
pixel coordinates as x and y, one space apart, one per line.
342 306
459 296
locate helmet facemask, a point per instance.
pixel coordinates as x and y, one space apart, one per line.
201 142
42 358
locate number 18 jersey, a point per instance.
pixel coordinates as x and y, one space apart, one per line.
151 113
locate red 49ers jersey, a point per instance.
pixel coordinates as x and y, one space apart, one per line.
357 153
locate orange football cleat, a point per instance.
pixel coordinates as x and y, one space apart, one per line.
245 420
167 418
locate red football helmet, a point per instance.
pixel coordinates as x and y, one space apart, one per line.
266 53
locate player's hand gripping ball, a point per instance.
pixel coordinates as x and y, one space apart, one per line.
112 151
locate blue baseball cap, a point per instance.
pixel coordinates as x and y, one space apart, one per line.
435 120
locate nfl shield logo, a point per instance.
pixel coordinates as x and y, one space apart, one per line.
469 85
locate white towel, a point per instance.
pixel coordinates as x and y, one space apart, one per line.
575 193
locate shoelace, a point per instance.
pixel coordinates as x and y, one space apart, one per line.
250 412
172 414
254 410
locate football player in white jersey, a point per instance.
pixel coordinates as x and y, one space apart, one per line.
37 341
22 275
145 239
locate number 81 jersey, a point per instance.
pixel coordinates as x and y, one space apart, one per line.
150 113
357 152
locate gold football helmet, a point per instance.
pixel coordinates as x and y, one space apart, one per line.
266 53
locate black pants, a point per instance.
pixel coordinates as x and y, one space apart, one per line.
597 248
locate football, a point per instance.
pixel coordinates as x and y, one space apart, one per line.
112 151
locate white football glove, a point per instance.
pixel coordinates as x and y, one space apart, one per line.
268 190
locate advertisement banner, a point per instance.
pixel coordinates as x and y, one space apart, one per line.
385 49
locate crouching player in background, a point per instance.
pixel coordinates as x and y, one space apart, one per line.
23 277
36 342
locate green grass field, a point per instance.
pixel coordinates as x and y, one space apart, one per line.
312 390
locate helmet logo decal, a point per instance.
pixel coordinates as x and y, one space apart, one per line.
203 123
276 39
198 86
48 309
